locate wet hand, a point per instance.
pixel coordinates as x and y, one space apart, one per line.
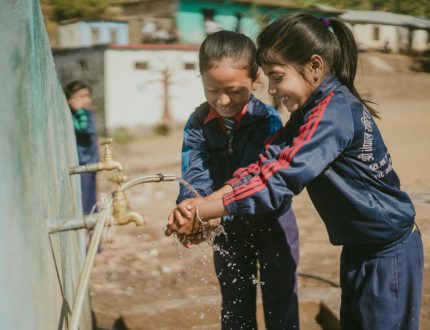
194 239
183 211
200 236
181 224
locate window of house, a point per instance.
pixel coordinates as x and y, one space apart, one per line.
142 65
113 36
376 33
189 66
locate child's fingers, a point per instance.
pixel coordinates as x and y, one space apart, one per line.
170 219
184 210
214 222
169 230
178 216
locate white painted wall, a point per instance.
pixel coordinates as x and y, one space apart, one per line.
364 34
79 34
421 40
396 36
134 98
69 35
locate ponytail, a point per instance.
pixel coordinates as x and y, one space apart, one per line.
345 63
296 37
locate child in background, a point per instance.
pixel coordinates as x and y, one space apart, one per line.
78 96
223 134
332 146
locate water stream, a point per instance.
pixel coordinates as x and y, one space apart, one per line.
209 233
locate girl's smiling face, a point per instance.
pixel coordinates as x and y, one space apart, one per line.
227 86
290 86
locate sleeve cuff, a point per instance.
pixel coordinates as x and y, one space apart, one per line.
232 182
230 203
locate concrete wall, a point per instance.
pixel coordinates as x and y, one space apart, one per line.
39 272
134 97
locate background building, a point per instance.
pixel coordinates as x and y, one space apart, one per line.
377 30
84 33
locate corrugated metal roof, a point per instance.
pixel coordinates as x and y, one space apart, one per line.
91 20
156 47
385 18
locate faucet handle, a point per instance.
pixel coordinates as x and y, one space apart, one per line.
118 179
107 153
107 141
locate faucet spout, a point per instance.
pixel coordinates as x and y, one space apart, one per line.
135 217
110 165
107 164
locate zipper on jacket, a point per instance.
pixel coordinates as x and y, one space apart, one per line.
230 148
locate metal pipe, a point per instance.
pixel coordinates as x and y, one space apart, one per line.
149 178
85 275
88 222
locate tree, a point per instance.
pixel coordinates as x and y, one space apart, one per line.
66 9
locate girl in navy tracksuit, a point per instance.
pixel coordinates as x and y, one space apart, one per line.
332 146
223 134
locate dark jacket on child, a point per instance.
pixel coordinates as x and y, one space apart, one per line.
333 147
209 158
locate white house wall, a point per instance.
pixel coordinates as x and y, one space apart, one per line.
364 34
134 97
79 34
395 36
420 40
69 35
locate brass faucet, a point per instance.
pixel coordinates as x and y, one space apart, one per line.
107 164
121 211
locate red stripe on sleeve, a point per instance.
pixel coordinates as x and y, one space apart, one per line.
306 132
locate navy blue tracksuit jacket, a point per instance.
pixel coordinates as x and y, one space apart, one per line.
333 147
207 162
269 241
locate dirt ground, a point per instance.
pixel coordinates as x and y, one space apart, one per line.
144 280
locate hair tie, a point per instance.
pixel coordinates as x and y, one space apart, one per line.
326 22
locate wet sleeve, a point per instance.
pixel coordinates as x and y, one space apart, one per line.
195 159
283 171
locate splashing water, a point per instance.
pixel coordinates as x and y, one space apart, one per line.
257 282
208 233
189 187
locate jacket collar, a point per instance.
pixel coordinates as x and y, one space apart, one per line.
249 113
327 85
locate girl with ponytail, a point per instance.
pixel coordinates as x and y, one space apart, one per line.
332 146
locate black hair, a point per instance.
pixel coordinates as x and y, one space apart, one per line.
228 44
296 37
74 86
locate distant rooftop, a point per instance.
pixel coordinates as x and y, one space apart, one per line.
385 18
90 20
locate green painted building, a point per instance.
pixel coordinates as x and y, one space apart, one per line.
237 15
